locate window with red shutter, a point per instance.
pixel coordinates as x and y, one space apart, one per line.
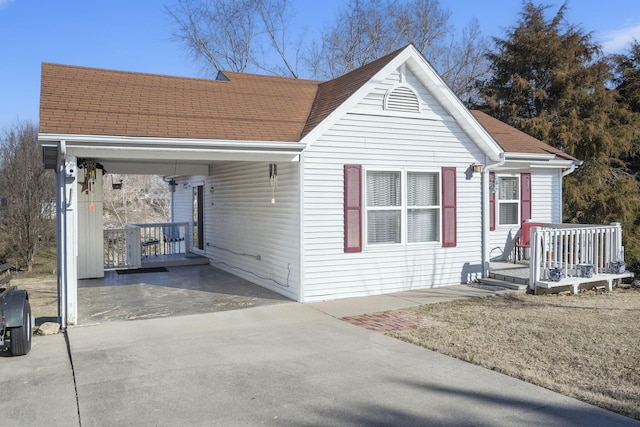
401 207
512 205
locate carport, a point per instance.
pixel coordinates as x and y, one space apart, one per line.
79 216
152 125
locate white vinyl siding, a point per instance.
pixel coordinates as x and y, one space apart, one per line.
90 225
182 204
367 136
248 235
546 205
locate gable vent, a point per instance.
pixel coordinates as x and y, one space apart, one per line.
402 98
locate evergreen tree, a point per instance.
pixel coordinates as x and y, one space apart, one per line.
627 78
550 80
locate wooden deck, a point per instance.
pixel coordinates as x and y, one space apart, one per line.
575 284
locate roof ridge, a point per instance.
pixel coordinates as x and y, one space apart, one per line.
230 74
136 73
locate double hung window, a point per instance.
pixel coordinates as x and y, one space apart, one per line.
402 207
508 200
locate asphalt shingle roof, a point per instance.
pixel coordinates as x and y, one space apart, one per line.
513 140
87 101
243 107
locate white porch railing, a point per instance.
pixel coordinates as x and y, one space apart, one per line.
122 248
575 249
125 248
165 238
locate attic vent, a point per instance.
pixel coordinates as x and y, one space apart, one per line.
402 98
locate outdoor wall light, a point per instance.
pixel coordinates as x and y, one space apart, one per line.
476 167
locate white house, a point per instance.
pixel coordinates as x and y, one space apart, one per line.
378 181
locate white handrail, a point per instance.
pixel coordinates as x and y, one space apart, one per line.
575 249
125 247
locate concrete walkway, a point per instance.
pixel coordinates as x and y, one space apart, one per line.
284 364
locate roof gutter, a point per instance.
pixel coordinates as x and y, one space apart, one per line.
529 156
572 168
537 164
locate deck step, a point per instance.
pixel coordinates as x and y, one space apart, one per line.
504 284
514 276
168 261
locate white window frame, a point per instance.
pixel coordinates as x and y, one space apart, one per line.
515 201
403 208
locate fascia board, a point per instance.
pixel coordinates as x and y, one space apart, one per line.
524 164
445 96
355 98
528 156
174 144
161 154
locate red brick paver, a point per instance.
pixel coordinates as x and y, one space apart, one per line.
386 321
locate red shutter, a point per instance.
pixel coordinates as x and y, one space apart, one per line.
492 200
525 196
449 208
352 208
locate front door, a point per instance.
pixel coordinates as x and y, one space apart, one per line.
198 217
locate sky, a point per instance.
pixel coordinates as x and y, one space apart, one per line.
135 35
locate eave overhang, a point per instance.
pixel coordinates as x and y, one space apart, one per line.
520 161
175 149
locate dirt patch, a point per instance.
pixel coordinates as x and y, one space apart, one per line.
583 346
43 297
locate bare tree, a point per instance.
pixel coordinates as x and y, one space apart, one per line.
465 63
274 15
242 34
423 24
135 199
235 35
361 34
369 29
28 195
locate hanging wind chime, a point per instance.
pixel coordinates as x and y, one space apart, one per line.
273 180
89 183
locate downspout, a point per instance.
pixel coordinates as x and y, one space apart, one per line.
485 213
565 173
570 170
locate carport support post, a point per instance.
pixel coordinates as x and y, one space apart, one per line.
67 242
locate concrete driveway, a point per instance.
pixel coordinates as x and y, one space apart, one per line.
284 364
